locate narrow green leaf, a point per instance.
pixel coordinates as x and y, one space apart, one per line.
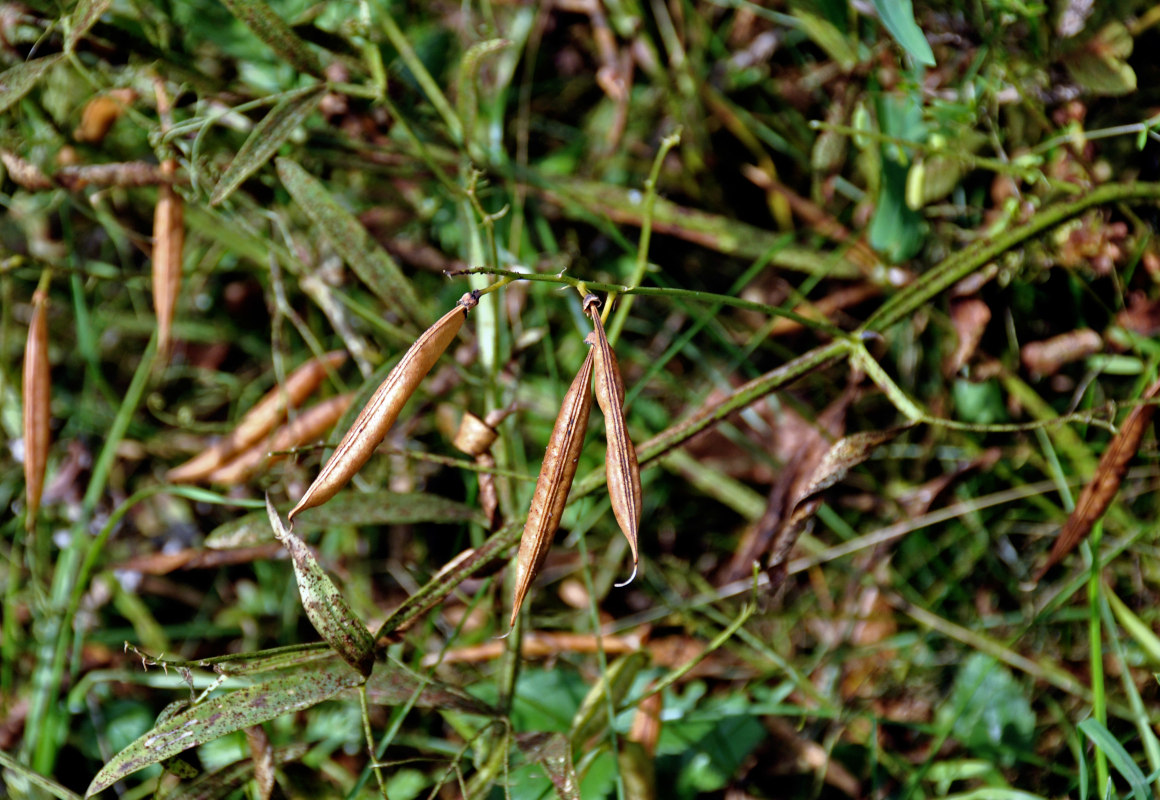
26 773
1139 630
1102 738
393 684
224 780
84 16
273 30
898 17
327 609
592 717
371 263
265 139
349 508
551 751
224 714
17 81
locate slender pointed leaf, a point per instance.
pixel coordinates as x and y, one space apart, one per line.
550 751
371 262
349 508
17 81
327 609
393 684
273 30
898 17
84 16
225 714
1102 738
224 780
26 773
591 719
265 139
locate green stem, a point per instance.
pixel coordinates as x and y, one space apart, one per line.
977 255
650 198
1096 654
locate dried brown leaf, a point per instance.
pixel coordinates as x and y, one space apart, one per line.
969 316
36 392
1098 494
306 427
383 408
168 247
101 112
554 482
261 419
263 760
621 466
1048 356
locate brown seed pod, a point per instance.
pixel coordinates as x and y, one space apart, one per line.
305 428
620 464
168 246
475 437
556 474
101 112
260 419
383 408
36 396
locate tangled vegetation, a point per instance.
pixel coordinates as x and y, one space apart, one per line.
866 297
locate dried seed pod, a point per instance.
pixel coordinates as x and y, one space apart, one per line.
168 246
383 408
36 398
475 437
556 474
260 419
305 428
620 464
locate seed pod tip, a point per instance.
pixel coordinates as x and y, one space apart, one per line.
631 577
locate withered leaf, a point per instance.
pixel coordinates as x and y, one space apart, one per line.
327 609
1098 494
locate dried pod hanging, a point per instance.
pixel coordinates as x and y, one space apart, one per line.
261 419
383 408
620 463
475 437
555 481
36 397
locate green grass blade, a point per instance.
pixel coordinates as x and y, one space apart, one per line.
35 778
84 16
898 17
1102 738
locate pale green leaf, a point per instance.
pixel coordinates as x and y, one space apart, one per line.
371 262
19 80
84 16
349 508
265 139
273 30
325 606
898 17
1102 738
224 714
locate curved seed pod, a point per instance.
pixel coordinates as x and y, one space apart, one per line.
555 481
168 246
383 408
260 419
620 464
36 396
306 427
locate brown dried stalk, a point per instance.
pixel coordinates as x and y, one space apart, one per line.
380 413
36 396
620 464
555 481
260 419
306 427
168 246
